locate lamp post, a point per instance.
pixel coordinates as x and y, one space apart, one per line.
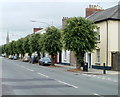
40 22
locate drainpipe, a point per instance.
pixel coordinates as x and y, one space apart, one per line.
107 45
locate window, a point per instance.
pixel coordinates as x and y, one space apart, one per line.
98 30
65 54
98 55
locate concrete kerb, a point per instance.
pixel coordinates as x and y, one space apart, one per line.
92 71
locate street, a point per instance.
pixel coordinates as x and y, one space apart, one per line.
23 78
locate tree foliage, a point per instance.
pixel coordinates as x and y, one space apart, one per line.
20 50
26 46
79 35
51 42
34 43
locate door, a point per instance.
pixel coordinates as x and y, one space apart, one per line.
115 61
89 60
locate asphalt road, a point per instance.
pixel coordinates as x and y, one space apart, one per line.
23 78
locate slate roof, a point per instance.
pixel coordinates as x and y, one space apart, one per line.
110 13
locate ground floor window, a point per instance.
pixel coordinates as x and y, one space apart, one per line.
98 55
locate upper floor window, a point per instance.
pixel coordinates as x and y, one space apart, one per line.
98 30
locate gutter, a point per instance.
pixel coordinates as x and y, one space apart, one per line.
107 44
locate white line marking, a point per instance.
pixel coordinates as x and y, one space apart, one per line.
94 76
43 75
66 83
102 78
98 77
58 81
23 66
114 80
108 78
97 94
84 74
29 69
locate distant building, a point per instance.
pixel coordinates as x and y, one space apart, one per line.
92 9
36 29
7 38
64 19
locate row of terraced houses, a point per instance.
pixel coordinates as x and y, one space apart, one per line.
108 50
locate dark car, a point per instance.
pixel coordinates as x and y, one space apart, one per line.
34 59
45 61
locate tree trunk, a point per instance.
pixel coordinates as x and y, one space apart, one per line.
79 60
52 60
38 55
29 54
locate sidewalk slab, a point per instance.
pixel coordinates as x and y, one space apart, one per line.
91 70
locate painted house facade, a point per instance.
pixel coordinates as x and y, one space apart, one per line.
108 48
108 22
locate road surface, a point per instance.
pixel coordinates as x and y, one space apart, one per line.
23 78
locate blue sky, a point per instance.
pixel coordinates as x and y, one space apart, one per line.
16 16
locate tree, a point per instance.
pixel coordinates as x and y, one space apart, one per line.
79 35
1 49
34 43
19 47
15 51
26 46
52 43
41 43
6 49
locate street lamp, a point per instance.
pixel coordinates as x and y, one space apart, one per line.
40 22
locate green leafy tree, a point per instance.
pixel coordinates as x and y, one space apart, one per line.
15 51
34 43
12 47
52 42
79 35
19 47
1 47
6 49
41 43
26 46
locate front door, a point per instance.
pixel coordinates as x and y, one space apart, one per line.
89 60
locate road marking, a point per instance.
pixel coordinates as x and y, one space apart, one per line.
94 75
59 81
108 78
114 80
97 94
98 77
103 78
23 66
66 84
29 69
43 75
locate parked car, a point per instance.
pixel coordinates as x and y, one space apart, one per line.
26 59
45 61
34 59
3 55
14 57
10 56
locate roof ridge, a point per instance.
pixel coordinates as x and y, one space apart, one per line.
114 12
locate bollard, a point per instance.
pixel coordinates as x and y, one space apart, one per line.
87 67
104 71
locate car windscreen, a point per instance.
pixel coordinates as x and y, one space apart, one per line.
47 59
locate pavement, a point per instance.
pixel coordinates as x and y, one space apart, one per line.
91 70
